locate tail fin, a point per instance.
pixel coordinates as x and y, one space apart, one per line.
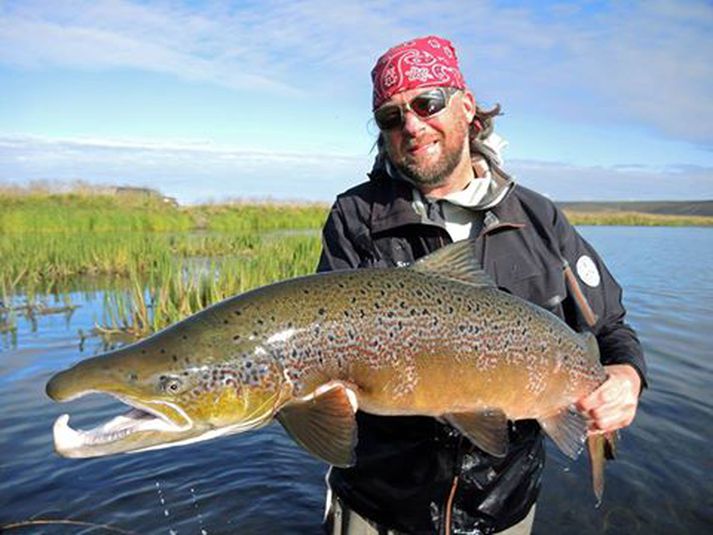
601 448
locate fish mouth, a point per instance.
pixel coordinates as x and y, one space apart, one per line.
142 427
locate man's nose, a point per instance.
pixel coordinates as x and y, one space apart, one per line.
413 124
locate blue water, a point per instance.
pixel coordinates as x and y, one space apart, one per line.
260 482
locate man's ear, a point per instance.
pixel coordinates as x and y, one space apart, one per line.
468 102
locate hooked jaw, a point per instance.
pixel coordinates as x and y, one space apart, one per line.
150 420
138 429
144 425
155 419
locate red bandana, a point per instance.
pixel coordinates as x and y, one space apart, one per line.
424 62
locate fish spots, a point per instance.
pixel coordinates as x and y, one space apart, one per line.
536 380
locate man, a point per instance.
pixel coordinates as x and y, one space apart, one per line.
437 179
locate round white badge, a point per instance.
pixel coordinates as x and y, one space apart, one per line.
588 272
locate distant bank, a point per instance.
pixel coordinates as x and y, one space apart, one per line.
640 213
685 208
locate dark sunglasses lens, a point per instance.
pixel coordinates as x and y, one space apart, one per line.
388 117
428 104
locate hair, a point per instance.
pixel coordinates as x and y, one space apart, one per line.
480 128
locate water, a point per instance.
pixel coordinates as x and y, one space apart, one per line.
261 482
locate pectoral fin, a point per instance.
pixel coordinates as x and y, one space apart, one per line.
486 429
568 429
324 423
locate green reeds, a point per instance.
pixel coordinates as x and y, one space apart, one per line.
260 217
176 289
158 263
94 209
98 213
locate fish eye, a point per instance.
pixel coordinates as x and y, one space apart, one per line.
169 384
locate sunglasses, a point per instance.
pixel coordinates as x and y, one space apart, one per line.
426 105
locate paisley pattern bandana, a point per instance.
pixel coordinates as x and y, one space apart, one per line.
423 62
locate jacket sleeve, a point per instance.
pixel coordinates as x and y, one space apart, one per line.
338 250
618 343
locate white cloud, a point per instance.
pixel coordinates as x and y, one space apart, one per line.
194 170
567 182
189 170
645 63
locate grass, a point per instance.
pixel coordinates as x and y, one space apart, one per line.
174 290
161 262
162 278
42 210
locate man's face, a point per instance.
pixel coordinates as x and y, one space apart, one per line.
429 150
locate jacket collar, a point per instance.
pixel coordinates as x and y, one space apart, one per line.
398 203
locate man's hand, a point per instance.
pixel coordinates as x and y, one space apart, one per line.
613 405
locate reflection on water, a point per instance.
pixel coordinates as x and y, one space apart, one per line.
261 482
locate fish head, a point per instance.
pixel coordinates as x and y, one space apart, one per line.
175 397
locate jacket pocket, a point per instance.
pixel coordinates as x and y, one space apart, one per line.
393 251
540 281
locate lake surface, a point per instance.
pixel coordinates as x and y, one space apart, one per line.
261 482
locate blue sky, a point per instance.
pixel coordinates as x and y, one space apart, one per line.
271 99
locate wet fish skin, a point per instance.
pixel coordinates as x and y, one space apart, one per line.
435 339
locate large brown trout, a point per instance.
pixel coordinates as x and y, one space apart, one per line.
436 338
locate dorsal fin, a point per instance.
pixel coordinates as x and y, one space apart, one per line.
456 261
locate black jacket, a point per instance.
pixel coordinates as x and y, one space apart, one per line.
406 465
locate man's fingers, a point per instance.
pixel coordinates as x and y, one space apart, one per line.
612 405
605 394
611 416
591 401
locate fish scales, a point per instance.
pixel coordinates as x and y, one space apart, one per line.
362 326
434 339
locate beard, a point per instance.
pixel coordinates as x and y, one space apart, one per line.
431 174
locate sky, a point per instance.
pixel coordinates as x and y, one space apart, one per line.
208 101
